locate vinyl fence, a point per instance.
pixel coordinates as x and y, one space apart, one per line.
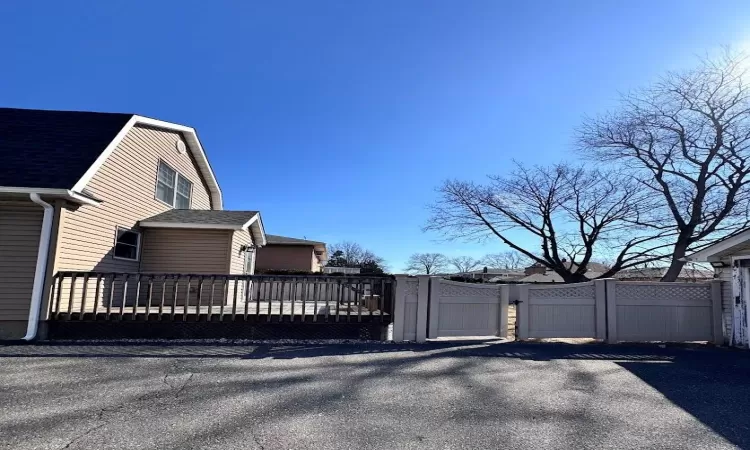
611 310
623 311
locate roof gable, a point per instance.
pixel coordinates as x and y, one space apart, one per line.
45 149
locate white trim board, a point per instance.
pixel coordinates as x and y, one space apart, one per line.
64 193
194 145
718 247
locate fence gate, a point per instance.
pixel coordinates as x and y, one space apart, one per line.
463 309
568 311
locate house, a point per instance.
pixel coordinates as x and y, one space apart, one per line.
538 273
730 258
107 192
494 275
291 254
687 274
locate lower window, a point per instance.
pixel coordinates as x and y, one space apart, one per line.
127 244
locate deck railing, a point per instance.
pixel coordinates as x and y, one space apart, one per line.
106 296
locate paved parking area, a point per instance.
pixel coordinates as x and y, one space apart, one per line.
368 396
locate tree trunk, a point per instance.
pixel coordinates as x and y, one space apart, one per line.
675 267
569 277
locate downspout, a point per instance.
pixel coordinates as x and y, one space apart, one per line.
41 268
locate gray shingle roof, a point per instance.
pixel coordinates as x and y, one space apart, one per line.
283 240
52 149
203 217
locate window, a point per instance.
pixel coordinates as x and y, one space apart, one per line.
127 244
172 188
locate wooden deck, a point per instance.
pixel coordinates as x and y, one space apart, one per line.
269 311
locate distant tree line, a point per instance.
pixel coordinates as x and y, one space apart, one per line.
431 263
351 254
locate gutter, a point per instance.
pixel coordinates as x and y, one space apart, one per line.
41 268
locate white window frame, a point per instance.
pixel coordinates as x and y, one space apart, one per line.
137 248
177 176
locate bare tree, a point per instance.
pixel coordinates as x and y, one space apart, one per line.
574 214
426 263
506 260
351 254
687 140
464 264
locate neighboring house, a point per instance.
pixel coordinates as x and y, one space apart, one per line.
687 274
286 253
730 258
537 273
344 270
494 275
106 192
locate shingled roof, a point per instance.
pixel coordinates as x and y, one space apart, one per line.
209 219
53 149
283 240
223 219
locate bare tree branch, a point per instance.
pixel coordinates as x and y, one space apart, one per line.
686 140
572 212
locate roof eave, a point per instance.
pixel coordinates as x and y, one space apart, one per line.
710 253
67 194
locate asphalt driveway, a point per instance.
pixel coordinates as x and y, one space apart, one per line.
435 396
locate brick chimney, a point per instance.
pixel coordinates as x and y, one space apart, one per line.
535 268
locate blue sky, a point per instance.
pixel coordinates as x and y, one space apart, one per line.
337 119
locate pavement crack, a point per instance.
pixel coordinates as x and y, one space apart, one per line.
83 435
184 385
257 441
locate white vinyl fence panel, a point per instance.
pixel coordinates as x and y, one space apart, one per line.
665 312
567 311
467 309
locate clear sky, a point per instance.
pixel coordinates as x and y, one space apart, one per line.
337 119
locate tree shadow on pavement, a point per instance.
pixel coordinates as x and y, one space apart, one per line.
714 390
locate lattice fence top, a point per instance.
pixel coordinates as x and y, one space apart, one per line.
412 287
663 291
582 290
455 289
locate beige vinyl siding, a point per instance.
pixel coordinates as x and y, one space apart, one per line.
237 258
20 227
285 257
172 250
164 251
126 184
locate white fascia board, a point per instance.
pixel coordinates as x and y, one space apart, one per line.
721 246
261 233
193 144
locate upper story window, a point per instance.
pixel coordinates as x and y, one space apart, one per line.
172 188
